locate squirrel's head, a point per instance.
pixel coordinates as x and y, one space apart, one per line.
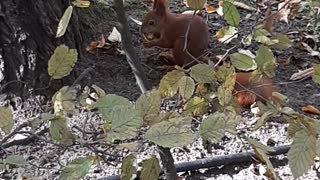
152 22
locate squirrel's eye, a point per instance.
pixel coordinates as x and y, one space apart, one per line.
151 22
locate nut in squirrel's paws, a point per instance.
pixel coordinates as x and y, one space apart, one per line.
148 36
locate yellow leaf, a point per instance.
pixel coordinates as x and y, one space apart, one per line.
210 9
64 21
81 4
310 109
62 62
196 4
6 119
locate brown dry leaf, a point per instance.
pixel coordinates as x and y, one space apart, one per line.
311 109
92 46
268 22
102 41
288 10
210 9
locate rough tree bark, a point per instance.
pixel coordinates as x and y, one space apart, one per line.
27 40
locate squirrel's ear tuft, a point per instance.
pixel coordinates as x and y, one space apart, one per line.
160 6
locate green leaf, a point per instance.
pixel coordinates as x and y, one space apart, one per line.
203 73
64 22
266 40
213 127
247 40
196 106
261 36
223 72
169 84
77 168
110 103
164 116
62 62
243 62
175 132
283 41
265 60
225 90
128 170
232 119
6 119
262 120
148 105
196 4
302 153
16 160
64 100
186 87
260 150
231 14
316 73
150 169
125 122
59 130
100 92
257 145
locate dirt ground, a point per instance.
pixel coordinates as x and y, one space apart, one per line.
113 74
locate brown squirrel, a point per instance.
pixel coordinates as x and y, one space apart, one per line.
167 30
164 29
247 93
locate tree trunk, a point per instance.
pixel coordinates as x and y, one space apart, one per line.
27 40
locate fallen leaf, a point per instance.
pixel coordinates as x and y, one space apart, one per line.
135 20
226 34
91 47
247 52
311 40
243 6
210 9
102 41
310 50
287 10
302 74
311 109
115 36
81 4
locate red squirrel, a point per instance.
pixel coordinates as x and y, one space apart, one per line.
247 93
164 29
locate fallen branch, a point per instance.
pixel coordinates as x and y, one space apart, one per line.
216 161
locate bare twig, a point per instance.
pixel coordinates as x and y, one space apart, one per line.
131 55
15 131
187 32
82 75
41 139
25 141
224 56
